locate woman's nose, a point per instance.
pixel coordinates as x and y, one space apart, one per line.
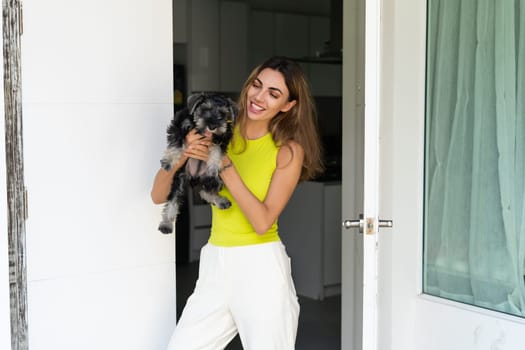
259 95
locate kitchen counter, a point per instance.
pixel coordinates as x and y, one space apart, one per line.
310 227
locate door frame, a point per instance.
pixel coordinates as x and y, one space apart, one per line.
352 172
372 118
16 194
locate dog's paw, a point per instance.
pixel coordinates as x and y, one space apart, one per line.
170 157
166 228
165 164
223 203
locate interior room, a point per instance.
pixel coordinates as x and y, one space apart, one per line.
216 44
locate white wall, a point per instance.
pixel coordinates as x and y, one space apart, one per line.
97 87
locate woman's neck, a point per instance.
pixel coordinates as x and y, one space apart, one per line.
255 130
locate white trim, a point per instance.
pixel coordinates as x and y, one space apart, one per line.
472 308
421 181
371 172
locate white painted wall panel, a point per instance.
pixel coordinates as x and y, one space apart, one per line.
97 51
480 329
89 170
97 87
103 311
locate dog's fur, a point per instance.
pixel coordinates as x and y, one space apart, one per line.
208 114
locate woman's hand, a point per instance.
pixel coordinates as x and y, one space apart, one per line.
197 146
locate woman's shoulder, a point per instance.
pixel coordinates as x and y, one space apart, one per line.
293 146
291 151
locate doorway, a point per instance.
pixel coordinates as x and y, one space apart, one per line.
205 29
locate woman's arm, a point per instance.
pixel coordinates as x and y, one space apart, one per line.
263 214
197 147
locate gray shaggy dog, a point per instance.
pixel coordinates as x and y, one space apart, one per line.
211 115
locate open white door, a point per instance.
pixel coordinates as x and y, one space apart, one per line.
408 317
364 148
399 312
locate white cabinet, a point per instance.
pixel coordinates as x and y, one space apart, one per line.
280 34
325 79
310 227
291 35
332 238
233 45
203 42
226 41
261 37
295 36
319 34
180 14
199 224
218 43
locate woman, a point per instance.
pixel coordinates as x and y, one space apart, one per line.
245 282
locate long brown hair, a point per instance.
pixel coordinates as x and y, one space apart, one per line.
299 123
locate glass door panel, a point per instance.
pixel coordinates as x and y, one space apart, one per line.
474 216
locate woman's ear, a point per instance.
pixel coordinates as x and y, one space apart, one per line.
288 105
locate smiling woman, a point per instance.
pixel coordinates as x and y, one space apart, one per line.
274 146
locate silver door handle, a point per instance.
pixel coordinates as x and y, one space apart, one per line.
386 223
360 223
353 223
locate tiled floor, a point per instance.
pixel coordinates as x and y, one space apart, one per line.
319 321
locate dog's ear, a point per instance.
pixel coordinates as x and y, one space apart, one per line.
234 110
194 101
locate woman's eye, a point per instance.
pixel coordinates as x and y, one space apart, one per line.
274 96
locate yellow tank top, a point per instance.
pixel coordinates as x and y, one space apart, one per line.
255 165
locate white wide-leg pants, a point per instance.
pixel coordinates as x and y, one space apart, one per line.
246 289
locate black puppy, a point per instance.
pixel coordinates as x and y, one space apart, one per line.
212 115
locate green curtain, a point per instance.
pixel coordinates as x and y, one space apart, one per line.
475 153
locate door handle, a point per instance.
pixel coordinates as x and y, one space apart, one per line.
356 223
386 223
360 223
353 224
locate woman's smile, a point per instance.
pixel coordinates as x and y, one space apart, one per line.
255 108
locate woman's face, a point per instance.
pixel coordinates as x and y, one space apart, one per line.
267 96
